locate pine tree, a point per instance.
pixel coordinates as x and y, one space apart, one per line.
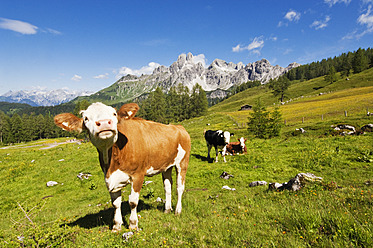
279 87
172 111
157 111
331 77
198 101
16 127
263 124
275 123
258 120
183 102
81 105
360 61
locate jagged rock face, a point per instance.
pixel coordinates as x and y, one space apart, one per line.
219 76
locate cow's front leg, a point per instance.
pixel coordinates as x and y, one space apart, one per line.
167 181
223 152
133 201
116 199
217 154
208 151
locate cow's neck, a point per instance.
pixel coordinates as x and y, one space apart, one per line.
105 157
104 145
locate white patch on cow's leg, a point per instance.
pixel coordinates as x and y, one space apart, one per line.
217 153
223 152
133 201
116 199
179 182
167 181
180 191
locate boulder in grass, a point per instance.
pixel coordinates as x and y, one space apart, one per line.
295 183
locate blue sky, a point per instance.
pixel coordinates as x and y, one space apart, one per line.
87 45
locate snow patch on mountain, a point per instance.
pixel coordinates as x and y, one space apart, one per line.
42 97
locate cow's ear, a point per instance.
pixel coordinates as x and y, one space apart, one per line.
128 111
69 122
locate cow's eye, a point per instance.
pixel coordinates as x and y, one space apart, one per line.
86 118
115 114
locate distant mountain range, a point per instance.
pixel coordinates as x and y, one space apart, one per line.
216 80
40 97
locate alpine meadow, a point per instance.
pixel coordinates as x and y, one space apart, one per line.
319 108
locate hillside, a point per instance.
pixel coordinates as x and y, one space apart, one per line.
309 99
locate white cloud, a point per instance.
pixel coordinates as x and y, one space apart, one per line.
320 24
18 26
137 72
367 19
292 15
76 78
200 59
52 31
254 46
102 76
364 20
333 2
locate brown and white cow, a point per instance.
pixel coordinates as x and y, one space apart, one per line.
237 147
130 148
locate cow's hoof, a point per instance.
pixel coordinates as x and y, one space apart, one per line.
134 228
167 211
116 229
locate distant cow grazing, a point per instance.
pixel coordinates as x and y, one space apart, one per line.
130 148
219 140
237 147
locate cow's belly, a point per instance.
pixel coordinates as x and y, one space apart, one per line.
117 180
172 161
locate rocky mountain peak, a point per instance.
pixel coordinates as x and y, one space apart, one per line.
219 76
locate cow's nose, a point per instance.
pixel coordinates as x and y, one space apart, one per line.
103 122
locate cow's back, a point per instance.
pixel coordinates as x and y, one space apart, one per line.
150 144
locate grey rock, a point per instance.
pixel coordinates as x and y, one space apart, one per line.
257 183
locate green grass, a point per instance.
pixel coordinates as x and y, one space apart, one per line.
334 213
78 214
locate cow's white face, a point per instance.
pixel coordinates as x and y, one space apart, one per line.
242 141
101 121
227 137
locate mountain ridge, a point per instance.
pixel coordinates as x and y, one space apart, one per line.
42 97
216 79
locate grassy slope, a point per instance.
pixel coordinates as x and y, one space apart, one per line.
320 215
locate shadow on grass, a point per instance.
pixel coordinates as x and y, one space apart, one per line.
202 158
105 217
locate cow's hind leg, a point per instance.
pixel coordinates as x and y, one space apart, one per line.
181 170
116 199
167 181
208 151
217 154
133 201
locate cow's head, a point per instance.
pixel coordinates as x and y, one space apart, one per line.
100 121
242 141
224 137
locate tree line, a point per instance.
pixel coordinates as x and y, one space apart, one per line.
177 105
22 128
346 63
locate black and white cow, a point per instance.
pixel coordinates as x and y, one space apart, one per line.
218 139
